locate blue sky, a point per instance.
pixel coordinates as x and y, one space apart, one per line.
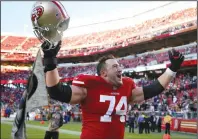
15 15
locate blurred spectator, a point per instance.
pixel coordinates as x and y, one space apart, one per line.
131 123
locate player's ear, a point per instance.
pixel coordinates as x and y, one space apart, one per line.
103 72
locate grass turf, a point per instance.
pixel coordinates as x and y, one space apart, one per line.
33 133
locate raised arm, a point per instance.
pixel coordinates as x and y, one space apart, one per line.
56 90
50 63
140 94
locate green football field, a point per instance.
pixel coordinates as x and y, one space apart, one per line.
35 130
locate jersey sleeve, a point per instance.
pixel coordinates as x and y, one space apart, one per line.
130 82
132 86
81 81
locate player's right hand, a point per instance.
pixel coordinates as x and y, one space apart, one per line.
50 53
50 60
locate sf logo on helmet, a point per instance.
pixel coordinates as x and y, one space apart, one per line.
37 12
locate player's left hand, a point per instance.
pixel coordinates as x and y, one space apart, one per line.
176 59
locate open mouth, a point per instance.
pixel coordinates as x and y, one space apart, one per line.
119 76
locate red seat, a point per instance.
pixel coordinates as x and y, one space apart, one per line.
11 42
31 42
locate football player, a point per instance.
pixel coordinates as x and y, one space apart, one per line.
104 98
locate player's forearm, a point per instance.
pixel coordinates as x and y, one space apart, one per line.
159 85
166 77
50 62
52 78
162 82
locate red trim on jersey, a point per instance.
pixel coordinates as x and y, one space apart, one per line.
59 7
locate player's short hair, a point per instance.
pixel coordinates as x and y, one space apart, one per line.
102 61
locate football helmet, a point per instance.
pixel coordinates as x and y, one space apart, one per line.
49 20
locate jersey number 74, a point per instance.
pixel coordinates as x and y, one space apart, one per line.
123 101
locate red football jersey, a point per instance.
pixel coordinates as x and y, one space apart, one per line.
104 109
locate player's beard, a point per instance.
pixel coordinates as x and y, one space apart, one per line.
114 80
120 81
117 81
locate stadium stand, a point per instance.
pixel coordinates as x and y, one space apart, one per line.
30 42
11 42
101 41
156 57
145 59
178 98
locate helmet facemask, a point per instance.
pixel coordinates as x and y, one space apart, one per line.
50 33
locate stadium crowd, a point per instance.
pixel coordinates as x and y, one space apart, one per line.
178 99
145 59
180 96
126 42
183 94
95 42
114 35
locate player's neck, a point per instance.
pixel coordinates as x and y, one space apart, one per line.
115 87
109 82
